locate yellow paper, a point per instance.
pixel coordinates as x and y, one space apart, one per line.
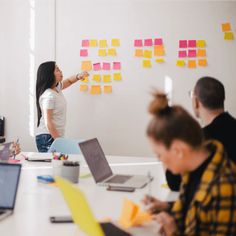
138 53
93 43
229 36
95 89
85 80
147 64
97 78
226 27
201 52
107 89
79 208
102 52
147 54
160 60
83 88
201 43
141 218
191 64
106 78
202 62
112 52
102 43
117 76
86 65
180 63
115 42
159 50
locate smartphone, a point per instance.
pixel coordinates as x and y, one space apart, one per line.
61 219
120 188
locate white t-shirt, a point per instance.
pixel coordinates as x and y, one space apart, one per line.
51 99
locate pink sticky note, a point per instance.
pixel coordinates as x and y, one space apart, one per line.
182 43
192 43
85 43
148 42
138 43
106 66
182 54
192 53
96 66
116 65
158 41
83 52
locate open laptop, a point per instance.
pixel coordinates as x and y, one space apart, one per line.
5 151
101 170
9 180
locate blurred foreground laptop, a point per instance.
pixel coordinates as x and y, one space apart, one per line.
101 170
9 181
5 151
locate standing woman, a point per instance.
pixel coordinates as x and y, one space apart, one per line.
51 104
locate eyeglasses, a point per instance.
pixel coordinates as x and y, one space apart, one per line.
191 93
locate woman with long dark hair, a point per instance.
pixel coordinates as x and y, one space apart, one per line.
51 104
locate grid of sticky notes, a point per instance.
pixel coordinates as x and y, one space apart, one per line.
104 71
149 50
228 33
192 53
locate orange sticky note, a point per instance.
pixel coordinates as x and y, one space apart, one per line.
83 88
115 42
117 76
95 89
93 43
107 89
147 53
111 52
102 43
159 50
202 62
191 64
86 65
226 27
180 63
106 78
138 52
201 52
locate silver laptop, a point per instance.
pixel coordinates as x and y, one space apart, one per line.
9 180
101 170
5 151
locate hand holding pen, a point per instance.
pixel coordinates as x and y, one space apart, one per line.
16 148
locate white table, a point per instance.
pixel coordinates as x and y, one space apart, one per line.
37 202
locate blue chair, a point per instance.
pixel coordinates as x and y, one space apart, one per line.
66 146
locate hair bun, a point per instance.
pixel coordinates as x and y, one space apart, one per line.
159 103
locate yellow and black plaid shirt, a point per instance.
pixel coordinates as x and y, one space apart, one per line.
212 211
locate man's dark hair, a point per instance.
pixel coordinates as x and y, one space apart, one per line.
210 92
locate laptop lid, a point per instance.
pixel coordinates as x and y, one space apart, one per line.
96 159
9 181
5 151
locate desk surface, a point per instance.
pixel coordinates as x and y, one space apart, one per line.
37 202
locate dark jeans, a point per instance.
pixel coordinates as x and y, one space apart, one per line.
43 142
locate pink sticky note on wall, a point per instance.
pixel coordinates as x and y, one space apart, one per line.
83 52
106 66
182 43
192 53
116 65
138 43
192 43
182 54
96 66
85 43
158 41
148 42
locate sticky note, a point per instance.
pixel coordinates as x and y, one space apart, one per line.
93 43
148 42
160 60
102 43
201 43
147 53
115 42
102 52
106 66
182 54
83 88
85 43
95 89
117 76
201 52
107 89
192 43
97 77
202 62
106 78
159 50
192 53
116 65
180 63
229 36
158 41
191 64
111 52
83 52
182 43
85 80
96 66
86 65
147 64
226 27
138 53
138 43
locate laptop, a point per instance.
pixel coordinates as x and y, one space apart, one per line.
5 151
9 180
101 170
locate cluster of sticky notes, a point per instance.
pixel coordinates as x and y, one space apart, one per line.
132 215
228 33
96 89
192 53
148 49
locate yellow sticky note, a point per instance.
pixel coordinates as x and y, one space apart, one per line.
102 52
141 218
159 50
85 80
95 89
107 89
226 27
115 42
229 36
83 88
138 53
97 78
111 52
147 64
93 43
102 43
180 63
117 76
106 78
191 64
201 43
160 60
201 52
202 62
86 65
147 54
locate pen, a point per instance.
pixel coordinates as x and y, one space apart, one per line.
14 154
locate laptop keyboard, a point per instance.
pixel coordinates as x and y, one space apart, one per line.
119 179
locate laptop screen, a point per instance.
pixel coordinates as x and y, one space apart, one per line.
9 179
96 159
